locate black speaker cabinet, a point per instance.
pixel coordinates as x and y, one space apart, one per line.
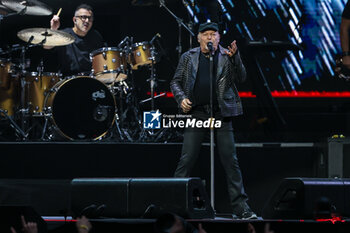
111 192
338 158
47 197
141 197
308 198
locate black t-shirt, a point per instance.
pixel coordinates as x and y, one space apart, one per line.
74 58
346 11
202 84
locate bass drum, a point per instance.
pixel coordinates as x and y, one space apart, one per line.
81 108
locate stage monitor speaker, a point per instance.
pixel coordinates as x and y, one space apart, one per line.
10 216
307 198
338 158
140 197
100 196
47 197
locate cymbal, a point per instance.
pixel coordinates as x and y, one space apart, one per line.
4 10
53 37
30 7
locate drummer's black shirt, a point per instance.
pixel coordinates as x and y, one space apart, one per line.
74 58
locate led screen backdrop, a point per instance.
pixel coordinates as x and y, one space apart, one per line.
314 24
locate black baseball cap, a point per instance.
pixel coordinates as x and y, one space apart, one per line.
208 26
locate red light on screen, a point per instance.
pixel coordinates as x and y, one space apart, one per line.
282 94
332 220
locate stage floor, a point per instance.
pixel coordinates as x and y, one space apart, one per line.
219 224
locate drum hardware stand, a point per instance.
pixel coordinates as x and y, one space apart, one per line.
153 82
40 70
149 99
152 79
120 127
123 134
119 122
130 97
133 106
23 109
43 132
180 24
13 124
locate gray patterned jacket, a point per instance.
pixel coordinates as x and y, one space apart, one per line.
229 71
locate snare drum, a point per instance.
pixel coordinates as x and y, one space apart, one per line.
141 55
81 108
107 62
37 87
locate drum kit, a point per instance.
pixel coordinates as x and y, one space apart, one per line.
48 106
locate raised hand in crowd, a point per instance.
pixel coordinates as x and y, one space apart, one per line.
201 229
83 225
27 227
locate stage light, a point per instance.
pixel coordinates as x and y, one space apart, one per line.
230 3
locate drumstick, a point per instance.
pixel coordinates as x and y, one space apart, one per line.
59 12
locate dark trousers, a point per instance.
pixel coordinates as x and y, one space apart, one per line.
193 138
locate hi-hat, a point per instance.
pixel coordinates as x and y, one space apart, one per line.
27 7
53 37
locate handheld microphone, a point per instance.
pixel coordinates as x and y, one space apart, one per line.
155 37
123 41
210 46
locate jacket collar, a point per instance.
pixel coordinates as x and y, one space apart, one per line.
198 49
195 60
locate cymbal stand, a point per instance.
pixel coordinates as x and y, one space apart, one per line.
23 110
120 88
132 110
152 79
180 24
123 133
40 70
153 83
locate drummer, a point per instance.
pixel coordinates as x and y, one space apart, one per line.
74 58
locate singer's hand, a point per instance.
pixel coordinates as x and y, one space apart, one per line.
55 22
186 105
232 49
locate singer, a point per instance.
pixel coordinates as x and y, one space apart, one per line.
191 88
